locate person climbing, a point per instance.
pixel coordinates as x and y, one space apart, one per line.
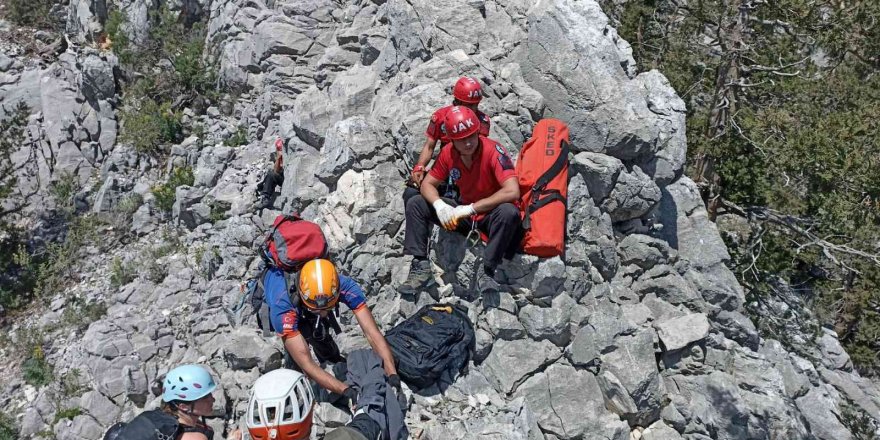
484 174
186 400
280 407
305 317
467 92
274 177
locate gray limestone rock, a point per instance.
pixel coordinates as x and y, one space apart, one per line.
244 349
186 213
567 403
819 409
599 171
634 365
738 327
634 195
834 356
99 407
511 362
81 427
643 251
504 325
660 431
550 323
698 398
677 333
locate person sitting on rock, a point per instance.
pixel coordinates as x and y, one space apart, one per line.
305 318
186 400
484 173
467 92
273 178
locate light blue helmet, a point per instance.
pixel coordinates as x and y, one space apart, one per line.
187 383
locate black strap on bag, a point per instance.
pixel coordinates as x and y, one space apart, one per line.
540 195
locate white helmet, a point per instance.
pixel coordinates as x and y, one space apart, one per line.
280 407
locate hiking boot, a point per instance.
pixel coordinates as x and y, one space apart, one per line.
420 276
486 281
264 202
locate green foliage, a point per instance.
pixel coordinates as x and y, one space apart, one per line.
12 135
71 384
121 273
785 108
218 212
150 124
8 430
67 413
165 193
64 189
35 369
238 139
31 13
79 313
55 269
115 28
173 74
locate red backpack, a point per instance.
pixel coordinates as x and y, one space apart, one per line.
293 241
542 169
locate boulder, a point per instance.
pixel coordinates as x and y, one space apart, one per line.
567 403
677 333
550 323
633 196
511 362
244 349
599 171
184 210
634 365
819 409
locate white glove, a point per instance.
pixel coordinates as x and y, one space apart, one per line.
445 213
463 211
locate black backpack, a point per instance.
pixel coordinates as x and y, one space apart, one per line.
148 425
438 338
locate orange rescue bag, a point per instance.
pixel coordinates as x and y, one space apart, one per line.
542 169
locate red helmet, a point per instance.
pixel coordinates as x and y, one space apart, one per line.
460 122
468 90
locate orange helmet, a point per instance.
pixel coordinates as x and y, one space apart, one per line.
319 285
280 407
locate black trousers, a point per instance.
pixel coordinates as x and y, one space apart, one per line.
365 426
503 226
320 338
271 181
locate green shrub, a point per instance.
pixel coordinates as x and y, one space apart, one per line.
67 413
121 273
35 369
8 430
33 13
237 139
71 384
148 125
64 189
165 193
115 28
79 313
218 212
55 267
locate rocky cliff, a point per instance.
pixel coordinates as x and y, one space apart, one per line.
639 333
